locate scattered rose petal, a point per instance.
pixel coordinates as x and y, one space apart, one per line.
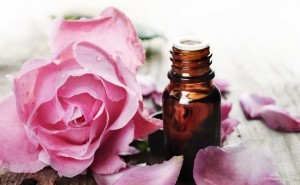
225 109
157 98
150 110
227 127
147 84
252 103
228 124
222 84
106 31
257 106
17 153
165 173
279 119
249 162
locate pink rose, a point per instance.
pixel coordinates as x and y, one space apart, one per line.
81 107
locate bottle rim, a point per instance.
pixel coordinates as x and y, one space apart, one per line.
190 43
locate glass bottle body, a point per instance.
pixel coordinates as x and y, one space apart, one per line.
192 119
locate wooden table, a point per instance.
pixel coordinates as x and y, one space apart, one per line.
256 45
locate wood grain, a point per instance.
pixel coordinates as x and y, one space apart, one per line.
46 176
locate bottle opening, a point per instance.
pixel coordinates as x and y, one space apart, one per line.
190 43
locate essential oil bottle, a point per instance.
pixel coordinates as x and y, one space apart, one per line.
191 103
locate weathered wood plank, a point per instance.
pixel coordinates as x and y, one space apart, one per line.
46 176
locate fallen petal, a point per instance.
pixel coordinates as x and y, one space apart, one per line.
222 84
147 84
252 103
279 119
225 109
157 98
227 127
17 153
249 162
165 173
150 110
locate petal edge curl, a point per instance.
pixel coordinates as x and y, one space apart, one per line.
17 153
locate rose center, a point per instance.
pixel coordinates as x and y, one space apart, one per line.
80 121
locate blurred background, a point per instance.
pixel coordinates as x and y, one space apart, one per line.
232 27
255 45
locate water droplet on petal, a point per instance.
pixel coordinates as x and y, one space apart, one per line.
99 58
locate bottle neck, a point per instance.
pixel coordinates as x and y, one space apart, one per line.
203 87
190 67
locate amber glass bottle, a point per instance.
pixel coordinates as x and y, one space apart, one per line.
191 103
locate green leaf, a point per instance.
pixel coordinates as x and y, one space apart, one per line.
141 145
71 17
75 17
146 33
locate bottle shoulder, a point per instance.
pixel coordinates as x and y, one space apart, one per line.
210 94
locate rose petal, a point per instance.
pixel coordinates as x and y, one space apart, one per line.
81 109
165 173
151 110
279 119
144 124
252 103
40 88
249 162
86 55
147 84
112 30
17 153
97 61
31 65
130 79
75 85
77 143
68 167
227 127
225 109
56 109
157 98
69 159
114 142
222 84
26 78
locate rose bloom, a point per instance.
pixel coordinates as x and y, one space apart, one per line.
83 106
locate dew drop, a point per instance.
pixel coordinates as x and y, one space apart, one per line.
99 58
